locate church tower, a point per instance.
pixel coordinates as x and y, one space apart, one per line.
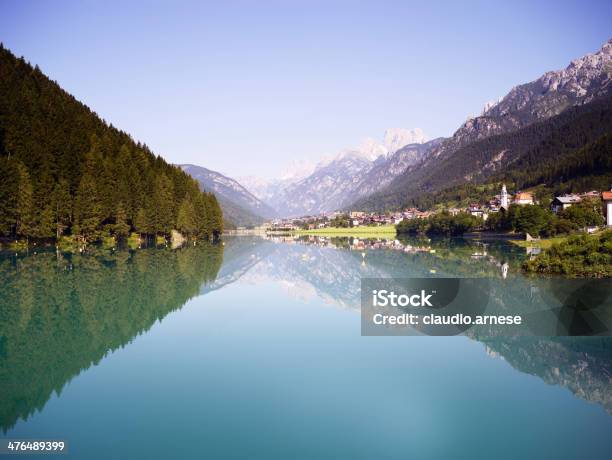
504 197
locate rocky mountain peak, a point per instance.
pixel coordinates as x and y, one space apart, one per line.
396 138
581 82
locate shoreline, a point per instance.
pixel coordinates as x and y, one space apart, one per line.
374 232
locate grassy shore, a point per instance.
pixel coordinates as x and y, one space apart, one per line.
381 231
577 255
544 243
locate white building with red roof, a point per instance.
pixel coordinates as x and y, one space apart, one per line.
523 198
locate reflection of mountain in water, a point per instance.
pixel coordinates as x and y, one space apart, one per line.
333 268
59 315
583 365
239 256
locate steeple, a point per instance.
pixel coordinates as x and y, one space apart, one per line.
504 197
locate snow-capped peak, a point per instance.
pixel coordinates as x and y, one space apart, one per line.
372 149
297 169
396 138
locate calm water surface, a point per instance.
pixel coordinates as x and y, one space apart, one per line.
253 349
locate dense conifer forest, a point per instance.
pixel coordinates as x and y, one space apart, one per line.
65 171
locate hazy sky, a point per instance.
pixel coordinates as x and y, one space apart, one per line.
244 87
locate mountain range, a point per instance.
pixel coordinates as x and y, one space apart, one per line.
389 174
240 207
467 154
336 181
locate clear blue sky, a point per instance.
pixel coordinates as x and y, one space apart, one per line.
243 87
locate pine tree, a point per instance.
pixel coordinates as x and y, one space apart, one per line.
163 205
62 207
141 222
202 213
42 214
44 224
24 211
88 209
186 220
88 202
121 227
9 184
217 218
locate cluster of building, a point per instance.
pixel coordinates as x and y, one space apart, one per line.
358 218
501 201
353 218
558 204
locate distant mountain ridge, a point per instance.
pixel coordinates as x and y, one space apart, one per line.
240 206
336 181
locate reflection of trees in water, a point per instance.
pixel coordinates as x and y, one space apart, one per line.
61 314
240 255
583 365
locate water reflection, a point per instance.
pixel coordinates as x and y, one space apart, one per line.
59 314
332 267
583 365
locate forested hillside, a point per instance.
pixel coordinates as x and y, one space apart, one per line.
568 152
65 171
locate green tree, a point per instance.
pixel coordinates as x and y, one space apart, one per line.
162 205
24 211
141 222
587 213
9 182
61 203
121 227
532 219
217 217
186 221
88 209
44 224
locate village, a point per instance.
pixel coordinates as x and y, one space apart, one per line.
503 200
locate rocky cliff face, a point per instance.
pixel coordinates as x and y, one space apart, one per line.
351 174
385 170
582 81
396 138
326 189
238 204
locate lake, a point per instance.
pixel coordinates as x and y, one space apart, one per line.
253 348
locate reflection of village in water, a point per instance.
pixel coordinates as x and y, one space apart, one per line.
479 249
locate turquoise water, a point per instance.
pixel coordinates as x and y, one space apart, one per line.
253 349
